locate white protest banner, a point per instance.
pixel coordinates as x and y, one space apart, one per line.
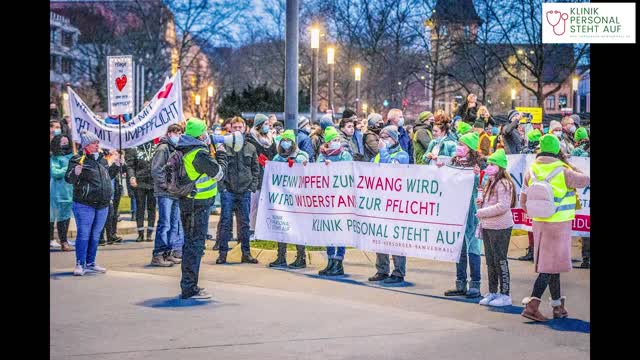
518 164
164 109
409 210
120 84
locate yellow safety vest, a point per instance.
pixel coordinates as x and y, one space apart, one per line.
564 198
206 187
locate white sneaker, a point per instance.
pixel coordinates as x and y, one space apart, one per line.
488 298
78 271
54 244
96 268
202 294
501 300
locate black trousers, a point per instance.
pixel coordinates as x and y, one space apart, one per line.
63 228
145 200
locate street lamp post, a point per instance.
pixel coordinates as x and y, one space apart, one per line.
291 67
575 81
315 48
358 74
211 114
513 99
197 100
331 62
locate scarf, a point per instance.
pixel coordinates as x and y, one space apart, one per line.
263 140
324 149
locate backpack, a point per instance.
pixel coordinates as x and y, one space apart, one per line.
175 174
540 197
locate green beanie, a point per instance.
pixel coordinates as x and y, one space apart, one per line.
580 134
463 127
289 135
329 133
471 140
550 144
498 158
195 127
534 135
424 116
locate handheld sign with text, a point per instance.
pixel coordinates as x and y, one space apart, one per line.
120 84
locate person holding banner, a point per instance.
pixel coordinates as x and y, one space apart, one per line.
88 173
288 152
582 149
496 222
390 153
371 136
468 158
440 145
332 150
552 235
205 171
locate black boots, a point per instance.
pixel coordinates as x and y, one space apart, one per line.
586 263
140 237
334 268
299 263
528 256
222 258
280 261
149 235
247 258
460 290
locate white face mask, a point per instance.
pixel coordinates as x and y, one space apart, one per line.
558 134
334 145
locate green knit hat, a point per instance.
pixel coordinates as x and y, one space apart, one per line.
289 135
498 158
534 135
424 116
329 133
550 144
580 134
463 127
195 127
471 140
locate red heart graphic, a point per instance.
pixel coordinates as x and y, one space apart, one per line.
165 92
121 82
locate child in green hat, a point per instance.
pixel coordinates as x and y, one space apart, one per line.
496 221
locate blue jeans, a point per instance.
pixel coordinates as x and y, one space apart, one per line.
474 264
90 222
229 201
169 235
333 254
195 221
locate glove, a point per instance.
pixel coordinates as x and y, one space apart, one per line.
291 162
262 160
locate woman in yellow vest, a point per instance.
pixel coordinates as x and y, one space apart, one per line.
552 235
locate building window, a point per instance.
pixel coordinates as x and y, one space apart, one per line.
67 39
550 103
467 32
562 101
52 33
52 62
66 66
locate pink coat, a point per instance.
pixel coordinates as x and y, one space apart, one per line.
552 240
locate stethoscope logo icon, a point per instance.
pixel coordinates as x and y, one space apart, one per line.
560 17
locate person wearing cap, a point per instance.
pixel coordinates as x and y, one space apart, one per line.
395 117
390 153
533 141
88 172
552 235
582 149
237 186
422 135
266 150
371 136
206 172
496 222
536 123
332 150
303 140
138 161
289 152
440 145
484 143
317 137
511 135
467 158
